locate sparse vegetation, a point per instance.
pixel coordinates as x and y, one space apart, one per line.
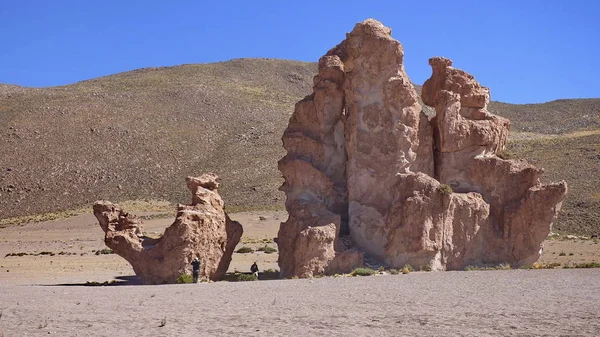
363 272
96 283
584 265
48 216
47 253
104 251
16 254
239 276
445 189
267 249
245 250
246 277
546 266
248 240
394 271
184 278
164 209
269 274
407 269
538 265
502 266
562 254
505 154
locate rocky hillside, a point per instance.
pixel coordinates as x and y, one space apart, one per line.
137 135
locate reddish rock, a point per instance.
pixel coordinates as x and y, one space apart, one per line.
365 165
445 77
201 230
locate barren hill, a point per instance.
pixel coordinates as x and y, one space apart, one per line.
136 135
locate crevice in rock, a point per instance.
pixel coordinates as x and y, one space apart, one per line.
435 148
395 164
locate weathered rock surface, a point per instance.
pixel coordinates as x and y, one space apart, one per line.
201 230
363 160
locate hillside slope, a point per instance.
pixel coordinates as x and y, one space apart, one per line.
138 134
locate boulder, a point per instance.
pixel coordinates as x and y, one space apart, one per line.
201 229
369 176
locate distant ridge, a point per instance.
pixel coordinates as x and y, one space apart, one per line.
138 134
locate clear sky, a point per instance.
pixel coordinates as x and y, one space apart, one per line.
526 51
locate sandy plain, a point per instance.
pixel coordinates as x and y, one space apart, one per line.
46 294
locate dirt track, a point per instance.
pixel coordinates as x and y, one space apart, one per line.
490 303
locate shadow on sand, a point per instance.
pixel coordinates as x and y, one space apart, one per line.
132 280
129 280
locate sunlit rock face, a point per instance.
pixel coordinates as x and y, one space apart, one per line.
201 229
369 175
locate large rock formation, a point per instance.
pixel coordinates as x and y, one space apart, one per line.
365 165
201 230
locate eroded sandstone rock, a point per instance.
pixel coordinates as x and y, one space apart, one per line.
364 164
201 230
466 138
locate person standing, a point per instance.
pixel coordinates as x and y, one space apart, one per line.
196 269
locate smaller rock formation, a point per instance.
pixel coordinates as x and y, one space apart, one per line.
201 230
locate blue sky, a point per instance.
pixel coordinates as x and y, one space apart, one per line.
526 51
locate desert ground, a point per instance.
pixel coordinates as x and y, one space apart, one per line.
481 303
47 293
70 247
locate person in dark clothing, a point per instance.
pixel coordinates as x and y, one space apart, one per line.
254 269
196 268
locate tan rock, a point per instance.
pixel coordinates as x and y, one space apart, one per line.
466 138
341 132
432 227
201 230
315 180
362 159
445 77
455 131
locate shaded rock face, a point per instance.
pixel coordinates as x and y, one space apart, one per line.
201 230
366 165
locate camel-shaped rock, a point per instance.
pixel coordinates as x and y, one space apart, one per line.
201 230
